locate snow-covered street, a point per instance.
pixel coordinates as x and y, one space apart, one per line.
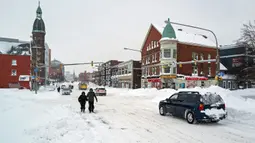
121 116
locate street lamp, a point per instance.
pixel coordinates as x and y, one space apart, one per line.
132 50
208 30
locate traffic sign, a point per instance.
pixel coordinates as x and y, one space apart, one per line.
32 77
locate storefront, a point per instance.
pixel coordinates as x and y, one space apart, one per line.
168 81
125 81
154 83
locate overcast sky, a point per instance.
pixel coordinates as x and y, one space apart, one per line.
98 30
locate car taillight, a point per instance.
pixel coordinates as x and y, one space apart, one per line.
201 107
224 106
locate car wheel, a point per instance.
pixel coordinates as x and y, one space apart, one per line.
162 110
190 117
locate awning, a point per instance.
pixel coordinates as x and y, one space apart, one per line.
154 80
196 78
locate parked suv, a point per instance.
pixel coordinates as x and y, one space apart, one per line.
193 106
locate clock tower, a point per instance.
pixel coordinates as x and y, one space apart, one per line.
38 45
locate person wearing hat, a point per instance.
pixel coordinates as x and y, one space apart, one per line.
82 99
91 95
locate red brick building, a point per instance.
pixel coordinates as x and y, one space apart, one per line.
15 71
151 58
172 57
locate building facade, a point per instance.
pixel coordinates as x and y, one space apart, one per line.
15 71
238 59
96 77
173 58
108 71
14 63
102 71
127 75
150 53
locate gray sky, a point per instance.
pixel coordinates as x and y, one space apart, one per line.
85 30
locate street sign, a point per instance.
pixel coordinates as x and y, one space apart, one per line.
36 70
221 74
32 77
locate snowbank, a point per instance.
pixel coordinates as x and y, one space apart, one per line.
233 99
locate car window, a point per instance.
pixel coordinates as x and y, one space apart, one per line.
182 97
193 98
101 88
174 96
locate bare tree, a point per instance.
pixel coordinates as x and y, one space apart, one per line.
248 35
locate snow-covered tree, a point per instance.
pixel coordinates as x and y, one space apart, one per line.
248 35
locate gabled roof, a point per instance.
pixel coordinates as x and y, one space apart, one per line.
184 37
222 67
189 38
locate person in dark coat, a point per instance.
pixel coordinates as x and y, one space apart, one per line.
91 95
82 99
58 89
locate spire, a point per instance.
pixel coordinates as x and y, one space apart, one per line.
39 11
168 30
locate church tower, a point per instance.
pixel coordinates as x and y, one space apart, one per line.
38 44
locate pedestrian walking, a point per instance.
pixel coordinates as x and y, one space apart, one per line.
82 99
91 95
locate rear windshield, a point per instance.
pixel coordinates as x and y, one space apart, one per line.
211 98
101 89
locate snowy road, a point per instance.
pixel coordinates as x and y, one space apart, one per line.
118 118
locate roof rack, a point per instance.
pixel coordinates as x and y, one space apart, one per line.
189 92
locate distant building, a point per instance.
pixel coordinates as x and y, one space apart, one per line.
14 63
57 72
127 75
238 61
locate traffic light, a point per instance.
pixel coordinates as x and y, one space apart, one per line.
61 66
180 65
216 78
92 63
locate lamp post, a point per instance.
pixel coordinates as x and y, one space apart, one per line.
216 41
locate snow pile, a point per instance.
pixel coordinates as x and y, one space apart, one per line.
215 113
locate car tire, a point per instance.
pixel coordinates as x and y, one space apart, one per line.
162 110
190 117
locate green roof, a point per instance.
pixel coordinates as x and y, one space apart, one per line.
168 31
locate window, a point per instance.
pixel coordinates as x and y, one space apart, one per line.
155 44
14 62
149 46
194 69
201 56
209 57
233 85
14 73
152 45
175 96
194 56
229 84
167 53
153 58
167 69
224 84
209 70
174 53
156 57
174 70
